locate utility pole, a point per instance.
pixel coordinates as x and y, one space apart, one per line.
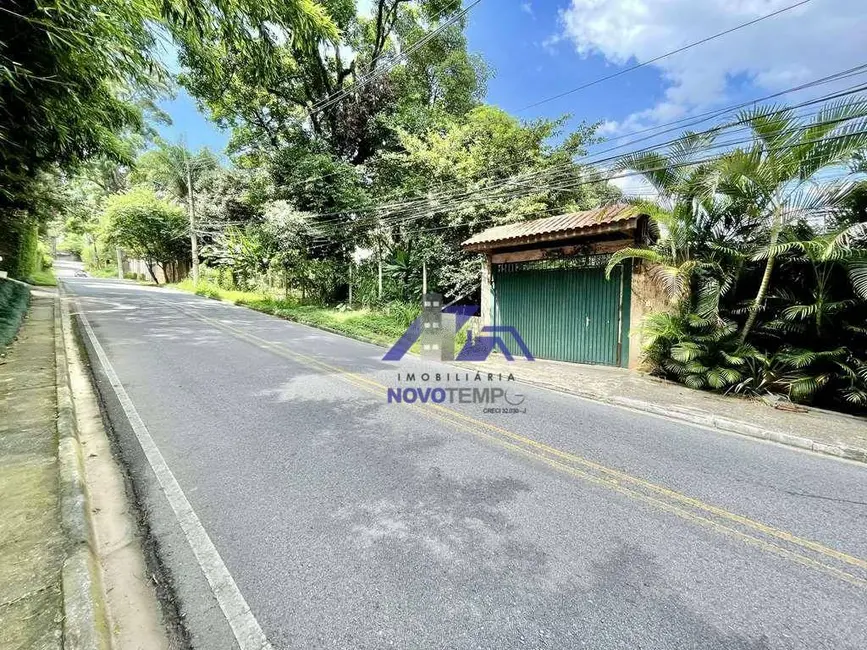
424 278
379 267
119 257
350 284
194 242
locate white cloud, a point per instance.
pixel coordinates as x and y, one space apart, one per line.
527 8
634 186
819 38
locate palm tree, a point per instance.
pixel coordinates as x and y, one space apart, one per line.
687 224
774 181
177 171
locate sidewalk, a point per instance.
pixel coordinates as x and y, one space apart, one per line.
820 431
31 535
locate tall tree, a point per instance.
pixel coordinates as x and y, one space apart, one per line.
776 176
70 71
336 94
176 170
147 226
467 174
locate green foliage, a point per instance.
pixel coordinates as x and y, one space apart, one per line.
43 278
71 243
699 352
63 68
77 77
28 259
14 299
759 300
266 99
501 169
378 326
146 226
173 169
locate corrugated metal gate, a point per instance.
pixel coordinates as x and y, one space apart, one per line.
566 310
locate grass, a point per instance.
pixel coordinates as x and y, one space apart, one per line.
383 327
103 272
43 278
14 299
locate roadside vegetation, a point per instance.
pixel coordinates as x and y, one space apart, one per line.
763 264
382 326
362 154
14 299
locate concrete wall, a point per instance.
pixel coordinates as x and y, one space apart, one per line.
173 272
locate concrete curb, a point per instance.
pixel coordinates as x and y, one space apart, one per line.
83 628
715 422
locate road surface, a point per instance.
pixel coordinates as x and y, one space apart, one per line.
294 507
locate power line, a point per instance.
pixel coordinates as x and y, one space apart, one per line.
636 173
704 117
540 174
662 56
457 200
587 160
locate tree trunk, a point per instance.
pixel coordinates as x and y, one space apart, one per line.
766 277
150 266
379 272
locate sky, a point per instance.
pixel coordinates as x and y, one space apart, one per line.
541 48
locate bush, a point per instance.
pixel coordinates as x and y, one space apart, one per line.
43 278
26 256
14 299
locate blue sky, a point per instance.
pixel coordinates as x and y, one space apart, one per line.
539 48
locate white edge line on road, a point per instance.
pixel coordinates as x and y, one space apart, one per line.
244 625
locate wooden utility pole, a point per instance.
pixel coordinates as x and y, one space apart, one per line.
194 242
379 267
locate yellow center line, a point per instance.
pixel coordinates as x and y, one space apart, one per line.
614 477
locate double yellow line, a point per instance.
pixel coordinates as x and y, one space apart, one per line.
781 542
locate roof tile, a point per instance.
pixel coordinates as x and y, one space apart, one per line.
562 223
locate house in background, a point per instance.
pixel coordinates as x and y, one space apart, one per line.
546 277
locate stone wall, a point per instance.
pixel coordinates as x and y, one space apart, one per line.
647 297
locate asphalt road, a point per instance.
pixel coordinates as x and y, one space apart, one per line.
348 522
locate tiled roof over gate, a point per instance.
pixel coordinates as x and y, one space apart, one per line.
612 218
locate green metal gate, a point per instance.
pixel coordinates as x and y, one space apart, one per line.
566 312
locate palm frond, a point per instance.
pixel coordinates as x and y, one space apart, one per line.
686 351
694 381
811 201
645 254
836 148
800 312
655 167
772 125
854 234
858 277
805 388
